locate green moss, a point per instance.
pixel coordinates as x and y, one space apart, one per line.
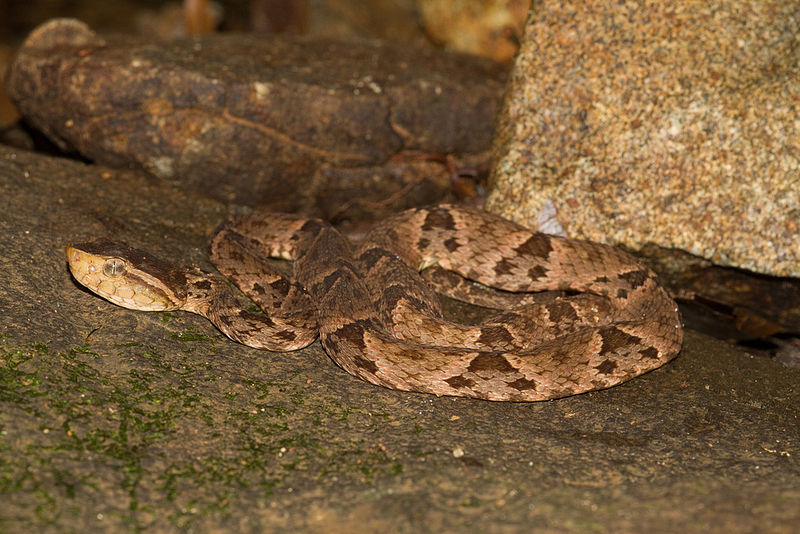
472 502
191 337
136 434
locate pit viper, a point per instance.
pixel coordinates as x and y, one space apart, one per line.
578 316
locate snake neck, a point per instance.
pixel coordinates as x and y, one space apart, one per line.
204 292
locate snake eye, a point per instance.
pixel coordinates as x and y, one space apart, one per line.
114 267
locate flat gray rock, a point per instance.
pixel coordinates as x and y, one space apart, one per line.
115 420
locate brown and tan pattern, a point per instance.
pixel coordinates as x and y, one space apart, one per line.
134 279
602 317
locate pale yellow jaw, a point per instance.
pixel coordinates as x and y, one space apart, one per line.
112 279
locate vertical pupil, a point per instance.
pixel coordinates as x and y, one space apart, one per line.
114 267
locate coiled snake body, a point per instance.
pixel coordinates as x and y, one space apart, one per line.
379 320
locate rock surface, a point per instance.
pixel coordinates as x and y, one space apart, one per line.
673 123
116 420
490 28
260 121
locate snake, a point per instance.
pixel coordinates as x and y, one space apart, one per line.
572 316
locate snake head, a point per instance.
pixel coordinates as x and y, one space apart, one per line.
126 276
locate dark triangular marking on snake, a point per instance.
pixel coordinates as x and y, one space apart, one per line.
607 367
537 245
313 227
331 279
504 267
649 352
282 286
370 257
488 361
635 278
561 311
258 289
452 244
460 382
256 317
537 272
286 335
439 219
396 293
205 285
523 384
352 333
493 335
613 339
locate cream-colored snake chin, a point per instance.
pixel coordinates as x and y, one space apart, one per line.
585 316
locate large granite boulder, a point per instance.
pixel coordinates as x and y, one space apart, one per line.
673 123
